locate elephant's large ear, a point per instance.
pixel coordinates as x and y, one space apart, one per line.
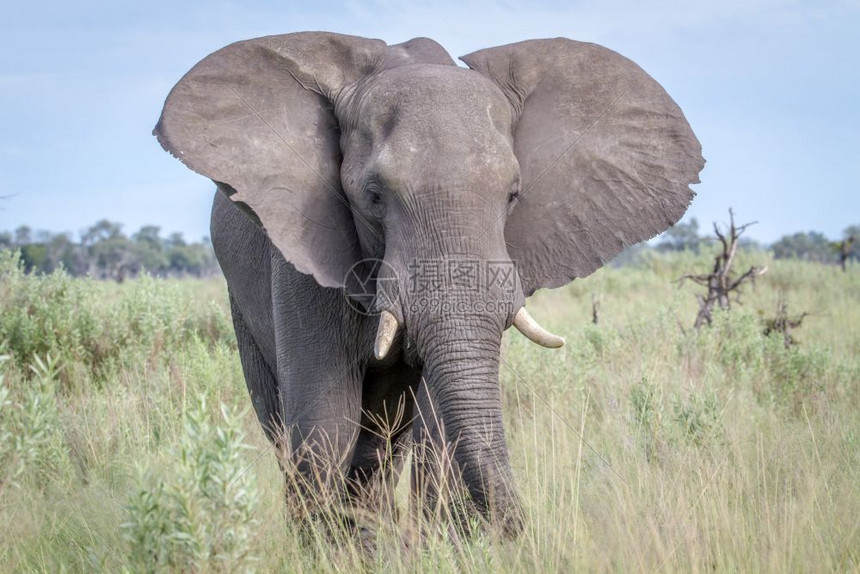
606 156
257 118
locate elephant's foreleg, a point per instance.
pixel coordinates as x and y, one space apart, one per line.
321 414
386 429
262 385
320 371
375 469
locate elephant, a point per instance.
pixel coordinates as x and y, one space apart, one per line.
380 216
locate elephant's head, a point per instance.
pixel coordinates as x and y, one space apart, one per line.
533 167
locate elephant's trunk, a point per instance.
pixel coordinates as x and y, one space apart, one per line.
458 291
461 374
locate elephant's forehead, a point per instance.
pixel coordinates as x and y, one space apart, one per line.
434 97
406 115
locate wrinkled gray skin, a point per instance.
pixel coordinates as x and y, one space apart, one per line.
550 154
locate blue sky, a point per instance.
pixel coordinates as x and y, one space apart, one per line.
769 86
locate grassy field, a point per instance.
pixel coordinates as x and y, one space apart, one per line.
127 443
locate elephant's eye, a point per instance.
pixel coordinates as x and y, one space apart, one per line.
374 196
514 196
373 193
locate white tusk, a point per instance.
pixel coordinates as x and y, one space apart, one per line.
384 334
526 325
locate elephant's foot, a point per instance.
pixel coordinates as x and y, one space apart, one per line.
337 507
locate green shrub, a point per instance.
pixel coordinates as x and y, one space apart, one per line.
198 515
647 402
33 445
797 375
697 417
96 328
45 314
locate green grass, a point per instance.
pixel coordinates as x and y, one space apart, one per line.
126 441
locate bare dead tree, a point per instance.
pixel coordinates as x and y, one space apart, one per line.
782 323
845 251
723 286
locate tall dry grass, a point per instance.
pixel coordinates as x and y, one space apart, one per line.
641 445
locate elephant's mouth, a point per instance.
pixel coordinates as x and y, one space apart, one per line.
523 322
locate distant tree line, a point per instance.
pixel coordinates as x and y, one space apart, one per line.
103 251
809 246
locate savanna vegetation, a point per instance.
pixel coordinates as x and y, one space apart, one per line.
104 251
127 441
